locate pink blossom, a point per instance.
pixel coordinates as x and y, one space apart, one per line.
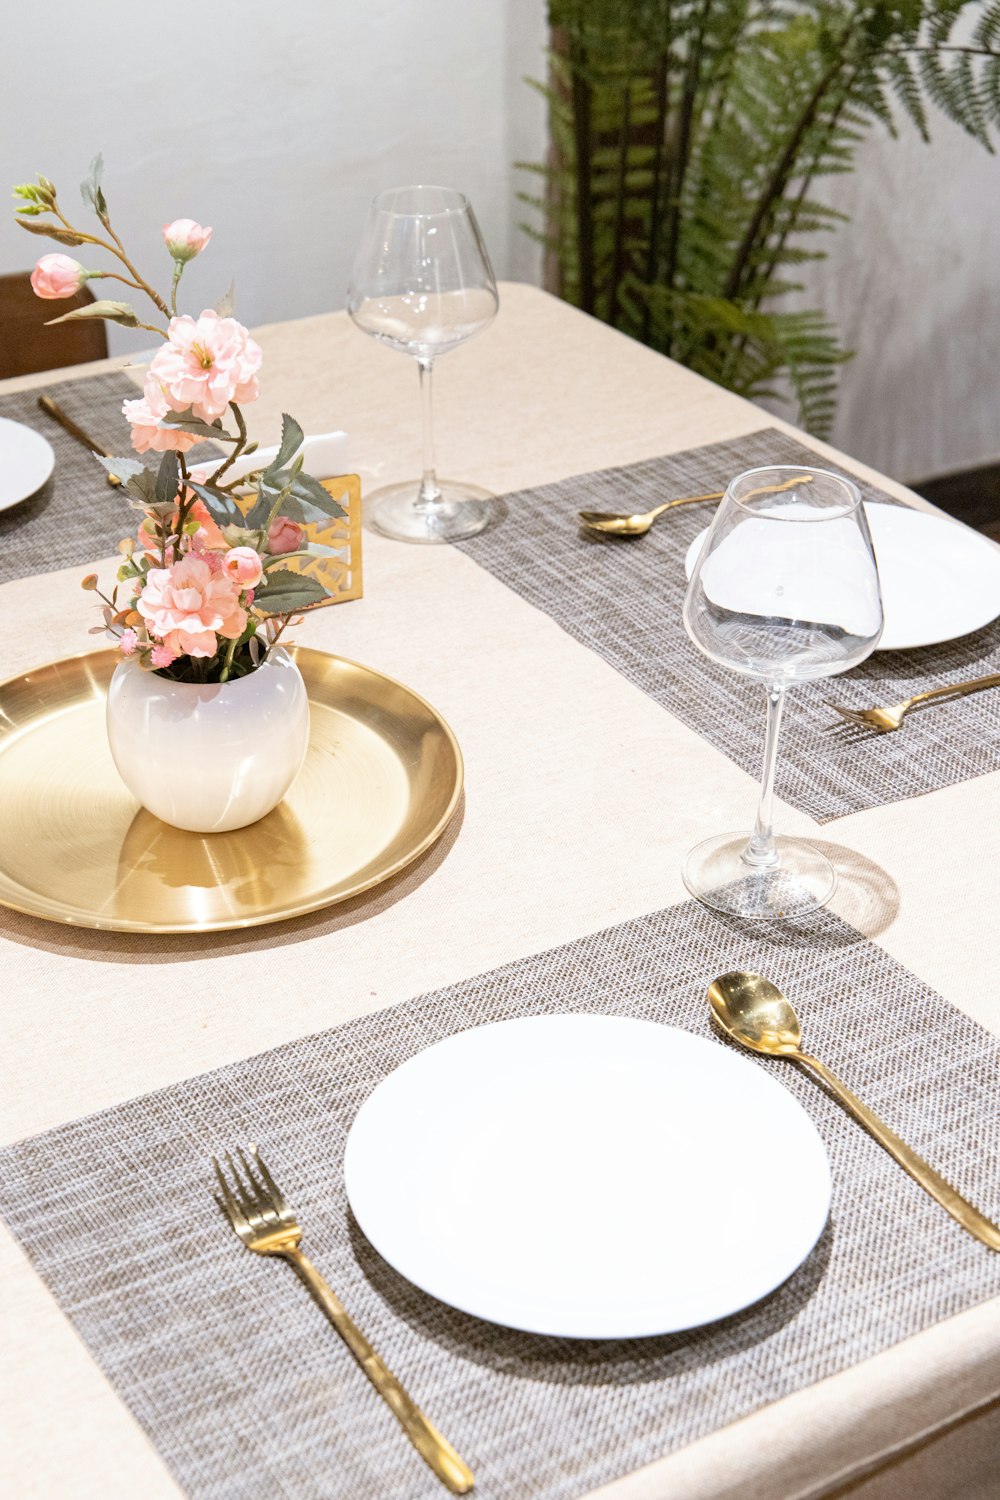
162 656
284 535
244 565
147 437
185 239
186 605
57 276
128 642
204 365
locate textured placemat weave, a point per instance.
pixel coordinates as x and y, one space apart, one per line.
76 516
623 600
246 1391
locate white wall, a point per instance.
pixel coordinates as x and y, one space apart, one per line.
914 286
276 124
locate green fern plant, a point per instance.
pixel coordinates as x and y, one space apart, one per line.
686 141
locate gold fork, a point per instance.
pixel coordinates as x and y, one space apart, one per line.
885 719
265 1224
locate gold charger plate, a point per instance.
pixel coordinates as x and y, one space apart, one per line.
381 780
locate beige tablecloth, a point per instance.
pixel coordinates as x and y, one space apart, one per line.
90 1019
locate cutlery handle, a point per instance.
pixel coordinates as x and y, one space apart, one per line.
957 689
659 510
767 489
57 414
435 1450
970 1218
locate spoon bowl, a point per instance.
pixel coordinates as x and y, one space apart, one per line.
755 1013
611 523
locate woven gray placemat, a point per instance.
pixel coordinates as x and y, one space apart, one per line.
623 600
76 516
244 1388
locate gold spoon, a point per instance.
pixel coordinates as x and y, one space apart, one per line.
55 411
610 524
755 1013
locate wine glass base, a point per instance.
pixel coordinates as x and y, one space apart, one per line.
716 873
464 511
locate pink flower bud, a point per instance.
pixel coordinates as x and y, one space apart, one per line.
284 535
185 239
244 565
57 276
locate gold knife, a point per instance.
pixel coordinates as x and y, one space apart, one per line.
55 411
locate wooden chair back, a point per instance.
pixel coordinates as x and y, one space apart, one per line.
26 345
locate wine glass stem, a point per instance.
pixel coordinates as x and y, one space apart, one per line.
761 851
429 494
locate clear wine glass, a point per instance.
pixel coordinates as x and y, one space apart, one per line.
422 283
786 590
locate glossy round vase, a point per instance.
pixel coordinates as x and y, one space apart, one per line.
209 757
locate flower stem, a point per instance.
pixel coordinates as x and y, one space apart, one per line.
240 443
230 653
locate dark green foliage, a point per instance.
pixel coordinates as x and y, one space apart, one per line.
686 138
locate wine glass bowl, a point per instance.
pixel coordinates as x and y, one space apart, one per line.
422 284
785 590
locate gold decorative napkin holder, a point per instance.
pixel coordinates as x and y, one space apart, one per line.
338 566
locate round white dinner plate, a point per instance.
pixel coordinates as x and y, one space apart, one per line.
26 461
587 1176
940 580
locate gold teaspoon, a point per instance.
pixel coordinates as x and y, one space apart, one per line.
611 524
755 1013
55 411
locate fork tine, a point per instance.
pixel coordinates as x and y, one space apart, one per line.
280 1206
236 1215
852 715
262 1198
242 1194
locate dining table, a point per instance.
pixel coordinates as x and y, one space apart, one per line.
585 786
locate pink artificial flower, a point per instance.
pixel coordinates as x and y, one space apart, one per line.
57 276
185 239
187 605
147 437
162 656
284 535
203 365
127 642
244 565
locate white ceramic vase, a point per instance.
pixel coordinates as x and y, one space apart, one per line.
209 757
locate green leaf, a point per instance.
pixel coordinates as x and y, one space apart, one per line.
50 231
292 438
224 306
90 187
306 499
168 478
142 486
222 507
186 421
124 468
113 312
287 592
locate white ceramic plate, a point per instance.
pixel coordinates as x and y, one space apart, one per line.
26 461
940 580
587 1176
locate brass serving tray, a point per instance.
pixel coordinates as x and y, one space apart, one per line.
381 780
